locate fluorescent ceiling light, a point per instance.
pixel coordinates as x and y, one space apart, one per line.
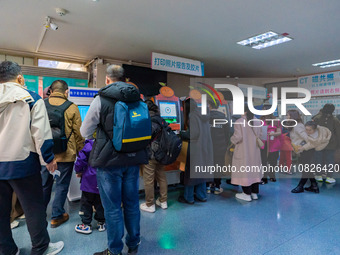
338 64
328 63
257 38
272 43
265 40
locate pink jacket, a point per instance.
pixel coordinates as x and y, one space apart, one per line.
275 144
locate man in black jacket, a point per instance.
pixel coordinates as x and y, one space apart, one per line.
220 138
117 172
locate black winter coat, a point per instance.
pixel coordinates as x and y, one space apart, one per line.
220 137
103 154
200 149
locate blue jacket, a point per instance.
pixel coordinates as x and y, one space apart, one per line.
25 133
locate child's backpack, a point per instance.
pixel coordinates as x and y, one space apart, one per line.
57 121
168 144
131 126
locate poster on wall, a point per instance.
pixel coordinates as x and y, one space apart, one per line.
32 83
314 105
47 81
174 64
324 84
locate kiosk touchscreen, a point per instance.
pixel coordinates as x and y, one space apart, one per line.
169 108
83 109
168 111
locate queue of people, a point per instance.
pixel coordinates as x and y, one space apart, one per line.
47 141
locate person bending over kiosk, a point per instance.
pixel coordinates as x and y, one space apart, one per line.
317 139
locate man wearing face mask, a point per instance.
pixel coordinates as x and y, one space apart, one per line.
73 142
26 142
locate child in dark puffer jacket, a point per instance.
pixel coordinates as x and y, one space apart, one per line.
90 194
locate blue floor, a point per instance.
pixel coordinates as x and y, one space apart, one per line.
278 223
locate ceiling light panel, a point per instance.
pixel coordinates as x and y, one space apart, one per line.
265 40
328 63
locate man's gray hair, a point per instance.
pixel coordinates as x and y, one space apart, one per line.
115 72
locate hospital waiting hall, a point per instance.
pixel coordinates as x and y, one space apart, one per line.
169 127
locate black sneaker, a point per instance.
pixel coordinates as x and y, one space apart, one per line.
199 199
181 199
133 250
264 181
106 252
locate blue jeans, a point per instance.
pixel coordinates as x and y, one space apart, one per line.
119 185
200 190
61 188
325 158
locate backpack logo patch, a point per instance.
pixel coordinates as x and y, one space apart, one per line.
135 114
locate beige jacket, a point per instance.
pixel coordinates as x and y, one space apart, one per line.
72 123
246 154
23 130
320 142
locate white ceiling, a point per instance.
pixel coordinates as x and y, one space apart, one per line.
196 29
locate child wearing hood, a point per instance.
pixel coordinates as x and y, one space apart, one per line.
90 194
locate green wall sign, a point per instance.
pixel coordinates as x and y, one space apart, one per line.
32 83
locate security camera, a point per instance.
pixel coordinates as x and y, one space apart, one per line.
49 25
54 26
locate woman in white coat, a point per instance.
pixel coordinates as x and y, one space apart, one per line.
247 171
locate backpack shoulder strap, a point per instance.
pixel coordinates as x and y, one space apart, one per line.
160 121
65 105
47 103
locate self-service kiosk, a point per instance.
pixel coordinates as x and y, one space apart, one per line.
170 108
82 97
172 112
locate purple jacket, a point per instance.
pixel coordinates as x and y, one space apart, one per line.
89 177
